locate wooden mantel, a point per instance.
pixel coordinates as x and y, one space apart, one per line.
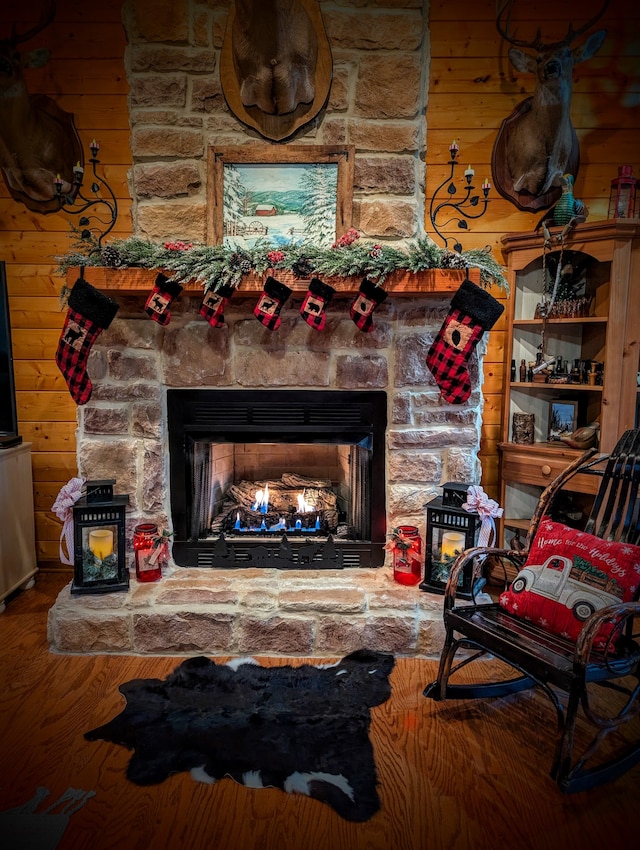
129 281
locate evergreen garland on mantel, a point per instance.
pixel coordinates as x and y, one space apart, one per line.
215 266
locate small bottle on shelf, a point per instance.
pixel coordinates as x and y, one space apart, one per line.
523 370
513 370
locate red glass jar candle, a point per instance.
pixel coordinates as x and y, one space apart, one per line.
407 555
148 554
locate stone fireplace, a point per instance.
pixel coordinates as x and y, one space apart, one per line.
176 110
123 434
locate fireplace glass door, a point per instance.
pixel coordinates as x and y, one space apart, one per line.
287 478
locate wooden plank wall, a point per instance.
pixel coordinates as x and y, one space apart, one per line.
472 88
85 75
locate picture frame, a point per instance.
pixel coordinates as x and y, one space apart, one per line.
279 193
563 418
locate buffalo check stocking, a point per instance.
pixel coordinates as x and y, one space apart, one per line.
213 304
89 313
272 300
472 312
160 299
369 297
314 306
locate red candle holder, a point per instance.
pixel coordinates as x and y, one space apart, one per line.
149 552
407 555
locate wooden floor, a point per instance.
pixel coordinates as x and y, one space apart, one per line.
452 776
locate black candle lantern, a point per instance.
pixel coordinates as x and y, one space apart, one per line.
98 540
450 530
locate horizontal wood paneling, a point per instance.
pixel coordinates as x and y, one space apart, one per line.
67 12
589 111
35 343
99 76
550 15
45 406
56 467
50 436
16 219
595 144
26 247
40 375
468 75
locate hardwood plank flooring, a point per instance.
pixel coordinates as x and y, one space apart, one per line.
452 776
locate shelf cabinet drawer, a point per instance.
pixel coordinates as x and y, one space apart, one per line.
539 466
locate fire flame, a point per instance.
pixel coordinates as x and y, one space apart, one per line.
261 499
304 507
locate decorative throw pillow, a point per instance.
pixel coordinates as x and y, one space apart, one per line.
570 574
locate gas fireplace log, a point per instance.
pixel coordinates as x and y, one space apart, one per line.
283 498
291 479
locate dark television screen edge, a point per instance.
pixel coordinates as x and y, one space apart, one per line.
8 412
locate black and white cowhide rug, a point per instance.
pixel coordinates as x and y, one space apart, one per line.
302 729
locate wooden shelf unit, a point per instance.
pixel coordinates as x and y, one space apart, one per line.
610 335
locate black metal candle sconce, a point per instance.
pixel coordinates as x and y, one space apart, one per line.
459 211
109 204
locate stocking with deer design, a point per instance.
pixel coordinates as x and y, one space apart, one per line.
89 313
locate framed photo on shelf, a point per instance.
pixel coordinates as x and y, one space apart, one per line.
279 194
563 418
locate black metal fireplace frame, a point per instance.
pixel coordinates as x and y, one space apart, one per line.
321 416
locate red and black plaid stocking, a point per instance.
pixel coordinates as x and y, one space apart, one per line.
365 302
272 300
89 313
472 312
314 306
214 302
160 299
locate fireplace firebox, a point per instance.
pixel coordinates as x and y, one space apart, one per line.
277 478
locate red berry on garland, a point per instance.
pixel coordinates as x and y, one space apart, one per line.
347 238
178 246
275 257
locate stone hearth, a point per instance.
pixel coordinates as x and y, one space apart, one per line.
255 612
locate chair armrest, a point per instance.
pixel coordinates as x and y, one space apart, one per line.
467 557
619 614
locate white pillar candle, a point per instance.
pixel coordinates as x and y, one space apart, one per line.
452 542
101 542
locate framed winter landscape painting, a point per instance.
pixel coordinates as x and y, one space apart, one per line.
292 193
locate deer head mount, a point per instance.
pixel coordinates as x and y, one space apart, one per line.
275 66
537 144
38 140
